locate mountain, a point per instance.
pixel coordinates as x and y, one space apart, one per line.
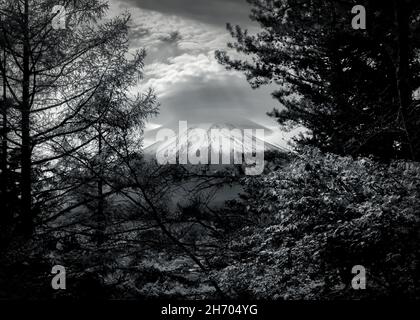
241 136
215 182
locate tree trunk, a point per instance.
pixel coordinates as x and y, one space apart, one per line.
403 71
100 193
4 147
26 150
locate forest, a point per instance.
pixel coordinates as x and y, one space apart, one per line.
79 190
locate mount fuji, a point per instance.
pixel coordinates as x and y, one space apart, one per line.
228 140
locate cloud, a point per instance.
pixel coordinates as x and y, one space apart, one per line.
215 12
194 87
165 36
180 37
167 78
173 37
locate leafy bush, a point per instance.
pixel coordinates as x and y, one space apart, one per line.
318 217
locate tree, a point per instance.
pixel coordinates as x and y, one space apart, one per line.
352 89
9 202
115 136
317 217
72 117
52 77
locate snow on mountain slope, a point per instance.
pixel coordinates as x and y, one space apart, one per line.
241 137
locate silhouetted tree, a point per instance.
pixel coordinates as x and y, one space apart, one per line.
51 78
355 90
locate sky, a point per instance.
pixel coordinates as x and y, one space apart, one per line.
180 38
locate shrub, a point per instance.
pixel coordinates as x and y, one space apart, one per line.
319 216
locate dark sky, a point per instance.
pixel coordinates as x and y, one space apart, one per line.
181 37
216 12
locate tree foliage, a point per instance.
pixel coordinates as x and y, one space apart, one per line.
319 216
355 90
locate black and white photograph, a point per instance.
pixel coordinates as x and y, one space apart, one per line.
209 150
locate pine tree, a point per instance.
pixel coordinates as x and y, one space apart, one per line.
52 76
351 88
